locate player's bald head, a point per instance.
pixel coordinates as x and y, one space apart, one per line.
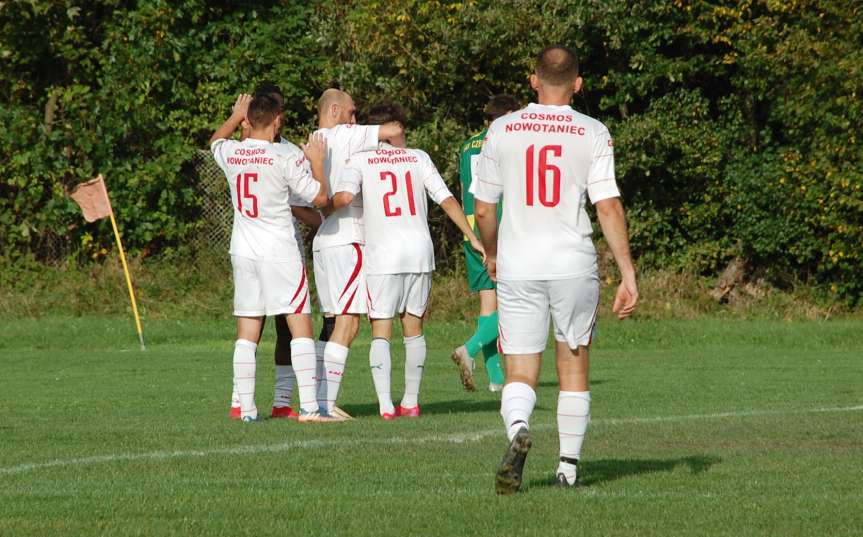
335 107
328 98
557 66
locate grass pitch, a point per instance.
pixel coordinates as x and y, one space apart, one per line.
702 427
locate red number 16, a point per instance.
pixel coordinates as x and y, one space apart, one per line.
544 169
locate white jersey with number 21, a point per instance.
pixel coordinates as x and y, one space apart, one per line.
394 183
545 161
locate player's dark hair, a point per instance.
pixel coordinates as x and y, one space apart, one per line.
268 87
263 110
557 65
385 112
500 105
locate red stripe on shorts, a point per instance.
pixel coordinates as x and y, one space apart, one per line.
356 273
299 287
350 301
305 298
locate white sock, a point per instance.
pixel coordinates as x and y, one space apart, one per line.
415 359
516 405
573 416
303 357
381 365
284 386
235 397
335 357
320 378
244 376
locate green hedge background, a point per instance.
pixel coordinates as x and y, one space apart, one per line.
737 124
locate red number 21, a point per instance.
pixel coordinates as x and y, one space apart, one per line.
243 193
544 169
397 211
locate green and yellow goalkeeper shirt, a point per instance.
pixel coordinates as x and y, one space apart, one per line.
468 159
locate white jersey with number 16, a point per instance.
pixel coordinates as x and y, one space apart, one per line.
394 183
545 161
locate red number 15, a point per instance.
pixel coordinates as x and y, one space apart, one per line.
243 193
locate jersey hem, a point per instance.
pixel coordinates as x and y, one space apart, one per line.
549 277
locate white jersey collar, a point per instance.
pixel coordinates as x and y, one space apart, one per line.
255 141
552 106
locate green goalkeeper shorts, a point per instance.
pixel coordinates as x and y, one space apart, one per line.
477 277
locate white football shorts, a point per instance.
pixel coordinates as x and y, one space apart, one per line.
390 295
524 307
340 279
269 287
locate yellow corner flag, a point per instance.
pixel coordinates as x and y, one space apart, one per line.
92 197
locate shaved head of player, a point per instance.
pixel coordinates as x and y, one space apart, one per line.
338 245
546 161
395 182
336 107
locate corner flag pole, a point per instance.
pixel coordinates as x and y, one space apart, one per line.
128 281
92 197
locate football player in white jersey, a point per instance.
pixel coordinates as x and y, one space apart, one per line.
338 244
302 211
547 161
269 275
394 181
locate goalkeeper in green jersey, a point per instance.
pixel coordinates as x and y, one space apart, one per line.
485 337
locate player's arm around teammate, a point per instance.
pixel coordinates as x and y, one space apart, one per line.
338 245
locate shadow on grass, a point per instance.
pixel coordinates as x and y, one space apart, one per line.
605 470
555 384
436 407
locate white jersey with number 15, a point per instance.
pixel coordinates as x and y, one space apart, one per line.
394 183
262 178
545 161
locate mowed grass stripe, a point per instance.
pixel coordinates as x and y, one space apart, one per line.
457 438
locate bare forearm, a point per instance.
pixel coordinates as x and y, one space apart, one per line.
612 220
453 210
341 199
308 216
486 222
226 129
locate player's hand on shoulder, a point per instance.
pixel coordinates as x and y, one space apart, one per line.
626 299
241 106
316 149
